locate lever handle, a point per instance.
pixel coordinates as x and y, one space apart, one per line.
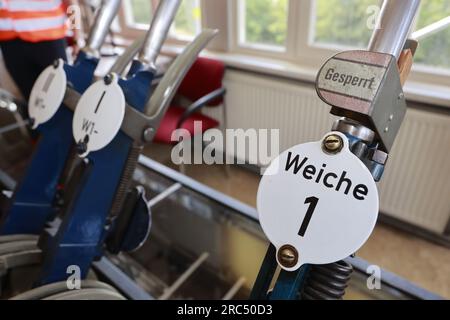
166 89
103 19
158 31
396 18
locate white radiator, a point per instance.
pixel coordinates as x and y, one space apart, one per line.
416 185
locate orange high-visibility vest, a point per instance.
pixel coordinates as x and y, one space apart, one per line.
32 20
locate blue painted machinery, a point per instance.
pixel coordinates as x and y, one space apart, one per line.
103 213
33 202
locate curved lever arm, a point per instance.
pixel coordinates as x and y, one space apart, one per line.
103 19
141 127
166 89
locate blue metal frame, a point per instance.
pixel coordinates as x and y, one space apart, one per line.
79 239
288 284
32 203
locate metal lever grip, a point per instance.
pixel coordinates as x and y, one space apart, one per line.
169 84
158 31
396 19
103 19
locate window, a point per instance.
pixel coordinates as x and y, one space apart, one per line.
188 22
263 24
434 47
139 12
304 32
344 23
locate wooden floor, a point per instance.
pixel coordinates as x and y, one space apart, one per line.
421 262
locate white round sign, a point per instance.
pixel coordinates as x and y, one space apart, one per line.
99 115
323 205
47 93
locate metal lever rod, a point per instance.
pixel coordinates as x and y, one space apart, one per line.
163 195
234 289
431 29
158 31
396 19
103 19
169 84
14 126
168 292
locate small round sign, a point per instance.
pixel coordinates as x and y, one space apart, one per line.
317 203
99 115
47 93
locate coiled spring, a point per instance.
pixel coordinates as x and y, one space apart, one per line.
327 282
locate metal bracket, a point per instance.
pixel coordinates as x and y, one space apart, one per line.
365 86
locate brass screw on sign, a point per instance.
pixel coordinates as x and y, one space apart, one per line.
332 144
287 256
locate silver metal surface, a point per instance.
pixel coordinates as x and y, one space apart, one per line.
192 184
19 259
7 181
353 128
135 123
388 109
8 194
103 19
431 29
169 84
87 294
163 195
378 156
396 19
17 246
157 34
148 134
386 113
120 280
393 280
71 98
59 287
14 126
18 237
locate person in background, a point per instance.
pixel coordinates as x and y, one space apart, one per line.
32 35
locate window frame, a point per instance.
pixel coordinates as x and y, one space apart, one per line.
184 39
130 29
314 54
300 47
236 22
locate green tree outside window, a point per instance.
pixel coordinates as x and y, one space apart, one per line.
265 21
434 50
141 11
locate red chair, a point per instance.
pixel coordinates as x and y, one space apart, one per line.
202 87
